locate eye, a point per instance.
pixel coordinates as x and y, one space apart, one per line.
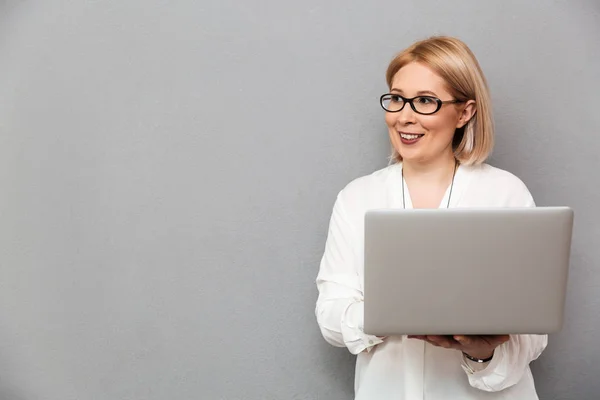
425 100
395 98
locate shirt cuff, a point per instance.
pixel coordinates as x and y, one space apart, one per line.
477 370
353 330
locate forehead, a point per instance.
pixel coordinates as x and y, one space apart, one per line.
416 77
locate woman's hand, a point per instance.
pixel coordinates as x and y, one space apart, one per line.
477 346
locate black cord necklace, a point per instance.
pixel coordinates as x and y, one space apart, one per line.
451 185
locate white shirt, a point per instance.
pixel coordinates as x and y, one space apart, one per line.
399 368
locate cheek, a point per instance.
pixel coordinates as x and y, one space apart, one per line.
390 120
441 126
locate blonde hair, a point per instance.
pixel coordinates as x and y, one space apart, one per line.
451 59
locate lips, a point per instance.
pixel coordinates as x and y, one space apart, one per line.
410 138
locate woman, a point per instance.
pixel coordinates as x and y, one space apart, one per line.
438 115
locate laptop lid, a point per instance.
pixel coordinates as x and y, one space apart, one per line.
466 271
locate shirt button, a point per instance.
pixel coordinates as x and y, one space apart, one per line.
370 342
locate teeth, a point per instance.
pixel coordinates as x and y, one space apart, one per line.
409 137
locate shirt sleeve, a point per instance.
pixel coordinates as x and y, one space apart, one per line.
509 364
340 308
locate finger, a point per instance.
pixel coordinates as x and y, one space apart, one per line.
439 340
423 338
463 340
494 340
499 339
431 343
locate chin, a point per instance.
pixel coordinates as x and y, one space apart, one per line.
410 155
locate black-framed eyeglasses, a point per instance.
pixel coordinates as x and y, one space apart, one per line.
426 105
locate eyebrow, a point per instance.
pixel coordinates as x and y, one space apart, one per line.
419 93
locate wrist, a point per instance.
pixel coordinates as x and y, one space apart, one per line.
479 357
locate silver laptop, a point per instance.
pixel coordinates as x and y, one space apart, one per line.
466 271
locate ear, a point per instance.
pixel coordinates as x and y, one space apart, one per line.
467 113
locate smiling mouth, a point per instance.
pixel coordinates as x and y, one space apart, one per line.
411 136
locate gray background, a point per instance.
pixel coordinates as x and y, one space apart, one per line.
167 172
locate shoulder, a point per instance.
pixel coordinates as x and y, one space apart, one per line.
377 179
369 190
503 185
496 176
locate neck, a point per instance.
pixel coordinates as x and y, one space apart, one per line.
435 171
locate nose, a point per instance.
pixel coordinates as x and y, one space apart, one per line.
406 116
